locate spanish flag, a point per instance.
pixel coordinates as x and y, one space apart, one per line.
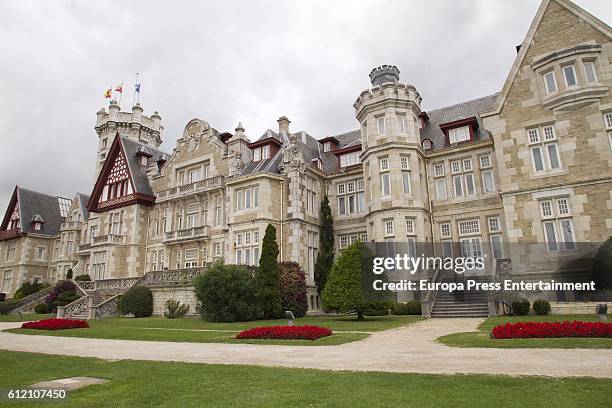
119 88
108 93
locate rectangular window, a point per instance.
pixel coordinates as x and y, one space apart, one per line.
536 155
257 154
445 230
441 189
469 227
384 164
409 226
343 242
341 205
467 164
570 75
469 184
496 247
386 184
553 156
485 161
438 169
447 249
589 72
239 200
388 224
549 132
567 232
459 134
265 152
608 120
349 159
404 162
458 186
401 127
326 146
406 181
551 236
546 207
455 167
381 125
550 82
361 201
488 185
340 188
534 135
563 206
493 224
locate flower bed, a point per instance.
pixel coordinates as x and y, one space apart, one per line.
55 324
285 333
526 330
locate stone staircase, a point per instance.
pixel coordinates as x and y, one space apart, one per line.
461 304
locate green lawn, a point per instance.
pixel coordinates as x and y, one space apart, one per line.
185 330
25 317
164 384
481 337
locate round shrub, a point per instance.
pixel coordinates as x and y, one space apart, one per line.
69 274
412 307
174 309
292 284
40 308
81 278
7 306
520 307
227 293
541 307
138 300
52 300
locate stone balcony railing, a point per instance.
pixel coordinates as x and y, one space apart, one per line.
84 247
71 226
191 188
187 234
108 239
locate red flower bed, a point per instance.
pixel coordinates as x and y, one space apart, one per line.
526 330
285 333
55 324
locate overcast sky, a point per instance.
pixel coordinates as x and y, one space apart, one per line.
229 61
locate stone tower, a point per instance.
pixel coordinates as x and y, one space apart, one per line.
393 159
133 125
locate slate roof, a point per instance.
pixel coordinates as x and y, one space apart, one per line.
452 113
83 199
35 205
137 170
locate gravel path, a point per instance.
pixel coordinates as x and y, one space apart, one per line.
407 349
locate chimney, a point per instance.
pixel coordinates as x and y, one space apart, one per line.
283 124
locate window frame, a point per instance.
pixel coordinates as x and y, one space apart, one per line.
546 85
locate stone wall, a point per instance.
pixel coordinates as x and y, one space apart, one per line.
184 294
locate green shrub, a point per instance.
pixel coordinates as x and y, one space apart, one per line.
541 307
40 308
375 312
65 298
69 274
174 309
60 287
138 300
7 306
520 307
227 293
2 297
81 278
410 308
27 288
292 283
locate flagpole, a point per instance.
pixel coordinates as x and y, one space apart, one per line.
121 93
138 97
134 95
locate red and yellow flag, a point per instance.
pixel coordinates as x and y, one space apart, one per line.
119 89
108 93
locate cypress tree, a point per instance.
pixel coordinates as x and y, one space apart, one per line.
344 292
267 276
325 258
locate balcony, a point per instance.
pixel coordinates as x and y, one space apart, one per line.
187 234
208 184
83 248
10 234
107 239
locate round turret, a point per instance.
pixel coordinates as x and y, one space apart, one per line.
384 73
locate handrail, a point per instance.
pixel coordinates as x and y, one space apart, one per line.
106 307
430 296
34 299
74 307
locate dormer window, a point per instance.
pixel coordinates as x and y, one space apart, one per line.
326 146
143 160
261 153
460 134
550 82
349 159
427 145
37 222
37 226
569 72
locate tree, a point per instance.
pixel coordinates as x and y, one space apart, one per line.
602 266
325 258
138 300
227 293
267 276
344 291
293 288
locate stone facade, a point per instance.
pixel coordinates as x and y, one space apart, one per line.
472 177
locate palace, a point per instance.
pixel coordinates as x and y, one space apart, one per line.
531 164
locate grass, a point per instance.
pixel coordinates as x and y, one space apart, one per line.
481 337
166 384
25 317
185 329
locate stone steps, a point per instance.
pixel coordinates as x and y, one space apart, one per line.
461 304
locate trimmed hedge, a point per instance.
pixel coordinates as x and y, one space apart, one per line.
541 307
292 283
520 307
84 277
410 308
227 293
138 300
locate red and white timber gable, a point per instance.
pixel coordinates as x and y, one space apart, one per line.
115 186
11 224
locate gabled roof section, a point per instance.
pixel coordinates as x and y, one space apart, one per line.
529 39
34 206
122 164
464 111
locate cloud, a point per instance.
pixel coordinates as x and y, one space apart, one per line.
227 62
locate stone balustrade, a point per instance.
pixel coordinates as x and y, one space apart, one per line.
191 188
187 233
108 239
